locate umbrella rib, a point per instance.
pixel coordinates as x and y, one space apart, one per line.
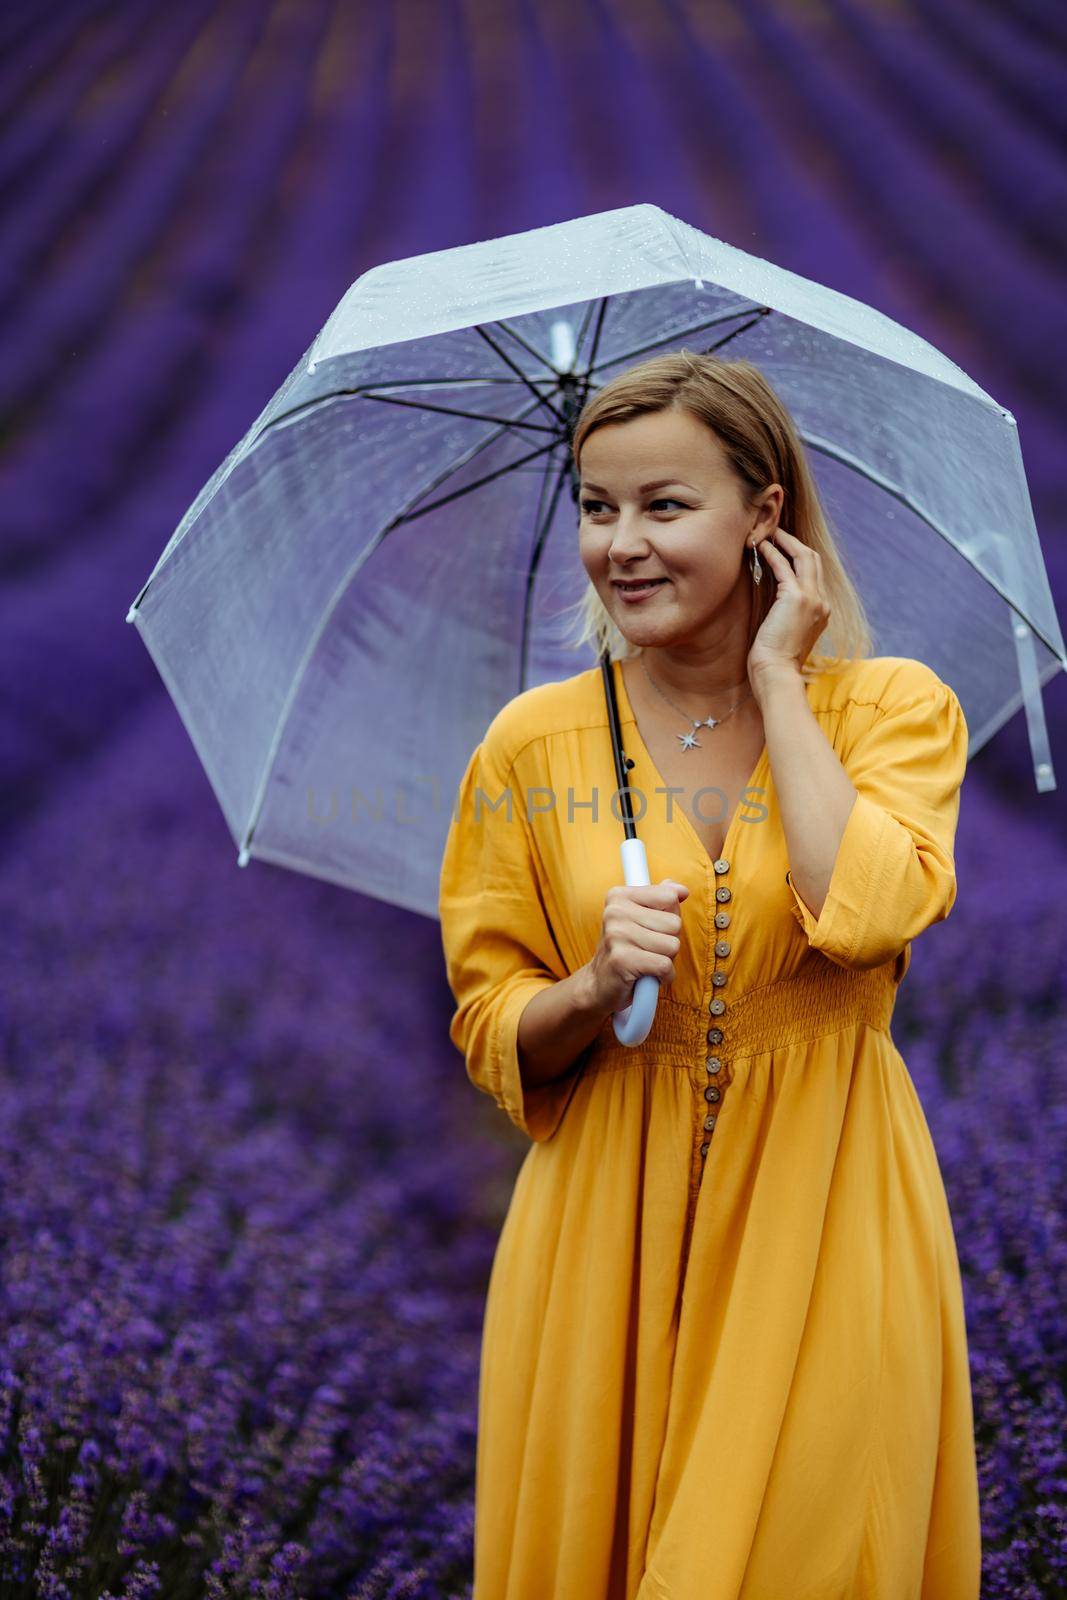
601 317
537 354
735 333
339 592
529 348
473 416
854 464
366 392
478 483
480 330
752 312
543 524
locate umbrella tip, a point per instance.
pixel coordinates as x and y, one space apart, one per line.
243 856
131 613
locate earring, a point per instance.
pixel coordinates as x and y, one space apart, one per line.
757 570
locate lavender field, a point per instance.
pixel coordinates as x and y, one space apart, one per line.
248 1199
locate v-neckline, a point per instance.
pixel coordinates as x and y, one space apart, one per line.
627 715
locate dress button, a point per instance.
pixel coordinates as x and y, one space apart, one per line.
717 1007
711 1092
722 948
713 1063
709 1123
722 919
715 1036
722 893
704 1148
722 865
718 979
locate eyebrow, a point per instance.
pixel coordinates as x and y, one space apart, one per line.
643 488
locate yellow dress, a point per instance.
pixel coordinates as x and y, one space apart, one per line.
724 1354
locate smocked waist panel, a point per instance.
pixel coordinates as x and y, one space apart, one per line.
809 1005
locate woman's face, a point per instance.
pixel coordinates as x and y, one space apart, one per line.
689 530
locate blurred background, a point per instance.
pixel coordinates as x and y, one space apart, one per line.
248 1199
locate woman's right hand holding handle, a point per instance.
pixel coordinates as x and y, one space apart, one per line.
640 934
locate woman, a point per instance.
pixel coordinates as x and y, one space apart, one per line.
724 1353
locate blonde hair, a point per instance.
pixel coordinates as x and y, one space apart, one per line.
763 447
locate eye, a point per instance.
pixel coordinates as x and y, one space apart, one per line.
591 505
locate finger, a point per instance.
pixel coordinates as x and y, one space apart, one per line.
638 930
778 561
658 896
807 572
655 920
796 547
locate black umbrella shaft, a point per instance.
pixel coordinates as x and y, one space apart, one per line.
621 759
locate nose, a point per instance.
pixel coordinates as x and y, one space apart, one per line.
628 540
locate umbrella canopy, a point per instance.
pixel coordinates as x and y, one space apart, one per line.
385 558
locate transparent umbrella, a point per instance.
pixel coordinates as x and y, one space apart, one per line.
384 558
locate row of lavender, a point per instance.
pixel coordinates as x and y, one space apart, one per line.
241 192
244 1253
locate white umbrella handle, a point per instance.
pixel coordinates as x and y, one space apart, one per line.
633 1021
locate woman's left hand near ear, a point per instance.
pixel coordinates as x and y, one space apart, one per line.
800 611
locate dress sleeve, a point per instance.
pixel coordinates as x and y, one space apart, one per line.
498 945
894 873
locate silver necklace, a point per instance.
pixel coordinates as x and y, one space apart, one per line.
689 741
